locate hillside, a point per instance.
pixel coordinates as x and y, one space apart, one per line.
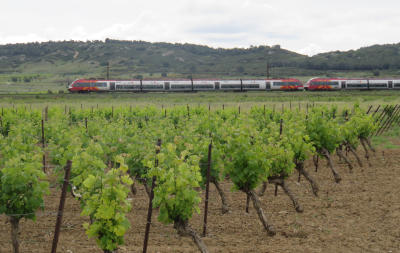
141 57
60 62
377 57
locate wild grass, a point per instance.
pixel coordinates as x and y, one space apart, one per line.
389 139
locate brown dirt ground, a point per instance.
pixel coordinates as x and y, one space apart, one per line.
361 214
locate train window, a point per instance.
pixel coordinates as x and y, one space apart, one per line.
251 86
286 83
181 86
231 86
326 83
356 85
153 86
82 85
203 86
127 87
99 84
378 85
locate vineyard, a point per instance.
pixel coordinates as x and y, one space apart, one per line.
103 172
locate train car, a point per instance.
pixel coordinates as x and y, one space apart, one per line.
154 85
396 84
290 84
254 85
205 85
325 84
356 84
83 85
231 85
134 85
352 84
379 84
182 85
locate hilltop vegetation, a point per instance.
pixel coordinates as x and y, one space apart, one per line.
56 63
142 57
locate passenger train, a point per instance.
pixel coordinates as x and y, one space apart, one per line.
87 85
190 85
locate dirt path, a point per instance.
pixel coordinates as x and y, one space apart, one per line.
361 214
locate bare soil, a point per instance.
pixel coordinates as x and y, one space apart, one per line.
360 214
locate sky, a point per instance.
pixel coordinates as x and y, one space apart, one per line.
304 26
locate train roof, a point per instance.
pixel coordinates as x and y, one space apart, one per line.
186 79
344 79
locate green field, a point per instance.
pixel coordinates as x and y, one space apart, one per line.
39 80
215 99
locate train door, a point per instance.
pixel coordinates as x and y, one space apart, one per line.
112 86
166 85
217 85
343 85
268 86
390 84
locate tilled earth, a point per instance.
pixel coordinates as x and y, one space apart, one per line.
360 214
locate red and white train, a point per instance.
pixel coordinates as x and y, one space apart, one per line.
89 85
289 84
352 84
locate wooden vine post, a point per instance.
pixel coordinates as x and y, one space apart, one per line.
150 210
43 145
247 203
376 110
369 109
61 206
207 189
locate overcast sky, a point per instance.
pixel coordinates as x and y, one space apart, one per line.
304 26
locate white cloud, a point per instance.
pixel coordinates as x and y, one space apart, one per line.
30 37
311 49
307 26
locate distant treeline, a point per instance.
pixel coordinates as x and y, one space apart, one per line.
144 57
